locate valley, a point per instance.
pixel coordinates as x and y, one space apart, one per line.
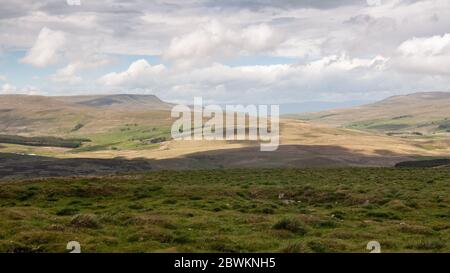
133 127
104 171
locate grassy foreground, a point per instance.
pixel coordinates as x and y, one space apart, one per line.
280 210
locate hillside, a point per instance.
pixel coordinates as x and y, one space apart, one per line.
145 102
119 126
418 113
302 145
77 115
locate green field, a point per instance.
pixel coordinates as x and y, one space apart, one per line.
283 210
127 137
401 123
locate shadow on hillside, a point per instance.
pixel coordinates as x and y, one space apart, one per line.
24 166
296 156
299 156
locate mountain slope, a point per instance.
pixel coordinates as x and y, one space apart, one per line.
418 113
149 102
39 115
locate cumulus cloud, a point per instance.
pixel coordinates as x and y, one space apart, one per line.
219 82
67 75
8 88
48 48
215 41
427 55
139 74
54 47
226 49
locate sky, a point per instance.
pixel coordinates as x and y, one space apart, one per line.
227 51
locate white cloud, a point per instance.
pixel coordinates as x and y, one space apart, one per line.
427 55
8 88
57 47
218 82
139 74
260 38
298 47
215 41
3 78
435 45
66 75
197 39
48 48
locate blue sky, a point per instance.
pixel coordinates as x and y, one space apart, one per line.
19 73
23 74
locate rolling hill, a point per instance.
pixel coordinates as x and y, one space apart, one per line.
77 115
419 113
133 101
138 127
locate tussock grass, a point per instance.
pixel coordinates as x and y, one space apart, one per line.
267 210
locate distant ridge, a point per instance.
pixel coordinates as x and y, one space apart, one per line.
417 113
119 100
420 96
133 101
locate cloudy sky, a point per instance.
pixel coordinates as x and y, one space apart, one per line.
256 51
